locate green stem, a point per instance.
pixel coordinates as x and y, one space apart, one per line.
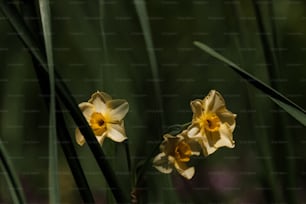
128 155
173 130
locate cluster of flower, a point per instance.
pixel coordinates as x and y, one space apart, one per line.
211 127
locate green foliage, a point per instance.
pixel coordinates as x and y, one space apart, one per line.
143 51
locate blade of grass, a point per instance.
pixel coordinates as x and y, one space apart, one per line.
64 138
28 9
270 57
72 159
11 177
143 17
64 95
54 196
104 42
299 114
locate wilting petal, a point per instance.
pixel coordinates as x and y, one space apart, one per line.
87 109
196 107
79 137
162 163
226 137
184 170
213 101
118 109
99 100
169 143
116 132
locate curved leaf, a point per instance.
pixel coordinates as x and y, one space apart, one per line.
290 107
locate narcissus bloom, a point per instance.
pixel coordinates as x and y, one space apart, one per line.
105 117
212 124
176 152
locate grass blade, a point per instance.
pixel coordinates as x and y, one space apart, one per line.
143 17
63 93
72 159
11 177
53 157
295 111
64 139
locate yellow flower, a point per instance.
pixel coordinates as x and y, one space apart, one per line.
176 152
212 124
105 117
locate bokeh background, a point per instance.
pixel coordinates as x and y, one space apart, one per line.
101 45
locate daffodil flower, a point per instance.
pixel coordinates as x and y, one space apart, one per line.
176 152
105 117
212 124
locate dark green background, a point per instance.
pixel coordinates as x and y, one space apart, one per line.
100 45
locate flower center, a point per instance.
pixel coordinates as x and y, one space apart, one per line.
210 122
182 152
97 123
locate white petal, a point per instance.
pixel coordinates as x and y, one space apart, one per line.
87 109
162 163
118 108
99 100
196 107
100 94
101 139
227 117
192 142
79 137
213 101
207 150
116 132
193 131
206 147
226 137
185 171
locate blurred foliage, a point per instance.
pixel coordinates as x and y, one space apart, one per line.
99 45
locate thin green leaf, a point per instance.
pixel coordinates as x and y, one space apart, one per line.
72 159
11 177
65 139
143 17
295 111
54 196
64 95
